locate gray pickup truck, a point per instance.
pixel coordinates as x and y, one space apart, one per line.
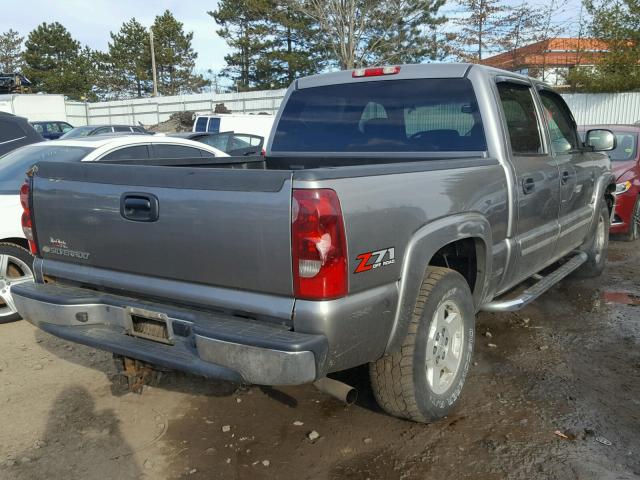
393 204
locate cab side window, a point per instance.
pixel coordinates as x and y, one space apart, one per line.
137 152
522 118
562 129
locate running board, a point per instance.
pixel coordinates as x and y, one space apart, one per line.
542 285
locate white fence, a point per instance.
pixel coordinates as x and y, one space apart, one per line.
587 108
594 108
150 111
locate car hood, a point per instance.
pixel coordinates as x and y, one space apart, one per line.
620 168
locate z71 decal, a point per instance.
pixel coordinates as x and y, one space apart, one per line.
371 260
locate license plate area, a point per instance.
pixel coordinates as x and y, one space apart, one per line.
149 325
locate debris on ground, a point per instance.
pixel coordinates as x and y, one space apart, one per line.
604 441
561 435
226 428
492 345
178 122
298 423
313 435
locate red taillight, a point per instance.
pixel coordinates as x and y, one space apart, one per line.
318 243
27 221
263 152
375 72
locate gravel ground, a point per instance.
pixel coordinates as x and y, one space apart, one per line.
556 396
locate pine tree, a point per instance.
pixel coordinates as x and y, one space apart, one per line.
55 62
175 58
130 60
11 51
295 50
245 29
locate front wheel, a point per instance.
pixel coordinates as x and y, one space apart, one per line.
15 268
422 381
597 248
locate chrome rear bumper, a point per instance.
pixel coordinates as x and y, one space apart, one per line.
200 342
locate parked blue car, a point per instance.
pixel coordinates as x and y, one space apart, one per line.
51 130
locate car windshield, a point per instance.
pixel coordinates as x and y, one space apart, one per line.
14 164
79 132
626 147
416 115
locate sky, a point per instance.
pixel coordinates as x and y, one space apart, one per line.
90 21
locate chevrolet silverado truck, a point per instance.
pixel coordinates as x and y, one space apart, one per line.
392 205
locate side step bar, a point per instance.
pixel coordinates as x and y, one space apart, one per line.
542 285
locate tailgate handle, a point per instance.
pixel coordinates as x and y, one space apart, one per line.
139 207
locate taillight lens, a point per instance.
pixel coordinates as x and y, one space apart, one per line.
27 220
319 250
375 72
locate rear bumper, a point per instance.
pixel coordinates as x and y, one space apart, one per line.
203 343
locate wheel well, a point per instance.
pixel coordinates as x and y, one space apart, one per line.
609 198
462 256
21 242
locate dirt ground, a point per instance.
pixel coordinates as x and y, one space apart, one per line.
569 363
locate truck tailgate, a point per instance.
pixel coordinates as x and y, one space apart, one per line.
220 227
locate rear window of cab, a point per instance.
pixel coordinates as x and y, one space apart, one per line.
415 115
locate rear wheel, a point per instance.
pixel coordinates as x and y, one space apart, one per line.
634 224
15 268
422 381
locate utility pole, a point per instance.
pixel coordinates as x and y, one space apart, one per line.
153 65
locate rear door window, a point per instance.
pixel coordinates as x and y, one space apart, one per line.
53 127
167 151
417 115
137 152
216 141
214 125
102 130
201 124
122 129
522 118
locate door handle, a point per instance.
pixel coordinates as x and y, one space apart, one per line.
528 185
139 207
565 177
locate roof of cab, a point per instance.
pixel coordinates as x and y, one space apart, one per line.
409 71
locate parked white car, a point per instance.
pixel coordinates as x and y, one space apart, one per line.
15 258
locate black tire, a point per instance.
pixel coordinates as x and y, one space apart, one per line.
597 247
634 224
23 255
399 380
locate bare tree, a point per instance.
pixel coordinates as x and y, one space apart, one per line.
479 28
365 32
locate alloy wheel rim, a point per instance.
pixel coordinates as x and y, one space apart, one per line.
600 239
444 347
13 271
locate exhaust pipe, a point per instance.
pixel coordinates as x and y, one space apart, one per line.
343 392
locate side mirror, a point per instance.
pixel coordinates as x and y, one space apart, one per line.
600 140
